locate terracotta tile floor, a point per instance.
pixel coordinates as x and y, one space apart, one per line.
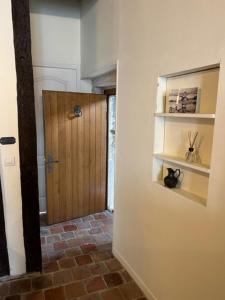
78 264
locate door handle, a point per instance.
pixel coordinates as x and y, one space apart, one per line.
50 161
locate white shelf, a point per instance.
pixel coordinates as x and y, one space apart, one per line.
186 115
185 194
183 163
171 133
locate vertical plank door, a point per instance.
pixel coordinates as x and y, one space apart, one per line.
75 154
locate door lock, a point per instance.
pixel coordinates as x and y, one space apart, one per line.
50 162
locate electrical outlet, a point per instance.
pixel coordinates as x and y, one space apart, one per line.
10 161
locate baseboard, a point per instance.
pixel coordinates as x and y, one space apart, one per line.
148 294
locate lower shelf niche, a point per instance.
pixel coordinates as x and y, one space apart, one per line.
193 184
184 193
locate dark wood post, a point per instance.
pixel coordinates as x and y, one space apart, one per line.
27 133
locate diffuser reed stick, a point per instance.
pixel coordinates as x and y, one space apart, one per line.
192 154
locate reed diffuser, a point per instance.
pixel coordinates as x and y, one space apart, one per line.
192 155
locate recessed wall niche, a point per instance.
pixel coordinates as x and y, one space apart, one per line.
171 131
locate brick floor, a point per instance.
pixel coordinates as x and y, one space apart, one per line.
78 264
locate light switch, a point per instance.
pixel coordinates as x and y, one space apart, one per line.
10 161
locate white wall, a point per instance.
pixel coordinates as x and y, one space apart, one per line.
173 246
55 27
10 176
98 37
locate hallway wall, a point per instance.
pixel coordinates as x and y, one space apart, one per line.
172 245
55 29
10 176
98 37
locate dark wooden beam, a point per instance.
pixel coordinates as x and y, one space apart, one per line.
110 92
4 260
27 133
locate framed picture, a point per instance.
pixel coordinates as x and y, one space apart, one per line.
173 100
183 100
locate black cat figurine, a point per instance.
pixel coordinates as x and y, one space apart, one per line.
171 180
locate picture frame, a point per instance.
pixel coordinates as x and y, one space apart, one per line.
184 100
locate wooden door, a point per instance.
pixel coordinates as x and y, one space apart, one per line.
75 153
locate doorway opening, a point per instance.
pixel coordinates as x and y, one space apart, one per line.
75 142
111 151
77 252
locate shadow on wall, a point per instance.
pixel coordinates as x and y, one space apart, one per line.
87 4
60 8
88 15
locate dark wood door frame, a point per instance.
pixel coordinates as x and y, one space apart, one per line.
27 133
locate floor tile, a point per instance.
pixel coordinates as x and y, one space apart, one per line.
113 279
66 263
98 268
113 265
14 297
96 230
126 275
51 267
55 294
81 272
72 252
67 235
113 294
76 242
84 225
88 239
100 256
20 286
88 218
95 284
54 255
100 216
87 248
62 277
42 282
44 232
130 291
83 259
34 296
77 221
95 224
4 289
70 228
91 297
74 290
60 245
56 229
53 239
